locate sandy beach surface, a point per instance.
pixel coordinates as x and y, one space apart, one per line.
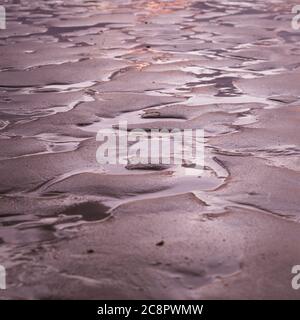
72 228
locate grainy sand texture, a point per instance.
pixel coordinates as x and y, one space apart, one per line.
72 228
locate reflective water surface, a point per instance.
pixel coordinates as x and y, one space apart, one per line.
71 228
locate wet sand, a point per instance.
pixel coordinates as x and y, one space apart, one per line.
72 228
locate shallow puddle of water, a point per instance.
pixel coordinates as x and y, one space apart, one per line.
68 70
